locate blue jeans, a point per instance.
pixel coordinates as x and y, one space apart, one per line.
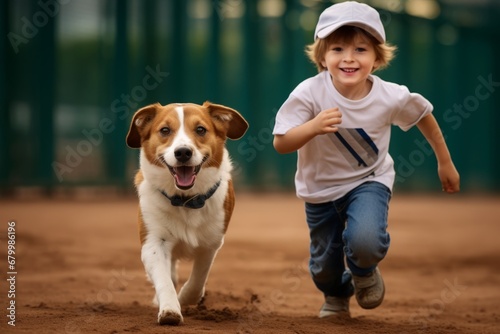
354 227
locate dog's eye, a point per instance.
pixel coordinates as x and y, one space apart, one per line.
201 131
165 131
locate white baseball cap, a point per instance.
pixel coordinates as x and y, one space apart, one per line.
350 13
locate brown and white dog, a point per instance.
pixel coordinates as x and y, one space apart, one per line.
186 194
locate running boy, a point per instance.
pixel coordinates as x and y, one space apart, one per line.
340 121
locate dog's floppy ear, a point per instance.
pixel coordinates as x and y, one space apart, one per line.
138 127
237 124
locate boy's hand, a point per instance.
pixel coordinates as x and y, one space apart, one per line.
295 138
326 121
450 179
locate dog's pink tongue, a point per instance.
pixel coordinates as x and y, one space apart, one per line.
184 176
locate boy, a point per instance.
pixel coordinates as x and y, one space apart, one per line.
339 121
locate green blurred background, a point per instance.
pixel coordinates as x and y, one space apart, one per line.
75 71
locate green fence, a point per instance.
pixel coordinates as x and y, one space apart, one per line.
74 71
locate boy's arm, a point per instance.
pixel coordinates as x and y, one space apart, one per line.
324 122
450 179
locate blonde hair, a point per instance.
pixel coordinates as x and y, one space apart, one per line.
384 52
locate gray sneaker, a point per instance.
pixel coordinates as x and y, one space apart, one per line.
369 290
335 306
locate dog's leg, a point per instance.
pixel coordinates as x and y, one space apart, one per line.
194 289
157 259
174 272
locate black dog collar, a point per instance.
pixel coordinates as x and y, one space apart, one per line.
194 202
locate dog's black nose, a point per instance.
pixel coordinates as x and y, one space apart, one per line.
183 154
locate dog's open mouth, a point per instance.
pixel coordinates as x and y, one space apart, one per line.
185 176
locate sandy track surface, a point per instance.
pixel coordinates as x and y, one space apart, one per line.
79 270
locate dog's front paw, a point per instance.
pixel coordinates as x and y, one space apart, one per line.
169 317
189 296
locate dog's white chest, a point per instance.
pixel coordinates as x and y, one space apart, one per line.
191 227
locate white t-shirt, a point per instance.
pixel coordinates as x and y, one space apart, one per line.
331 165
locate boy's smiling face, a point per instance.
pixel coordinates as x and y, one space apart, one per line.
349 64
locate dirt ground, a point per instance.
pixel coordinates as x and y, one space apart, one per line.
78 270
